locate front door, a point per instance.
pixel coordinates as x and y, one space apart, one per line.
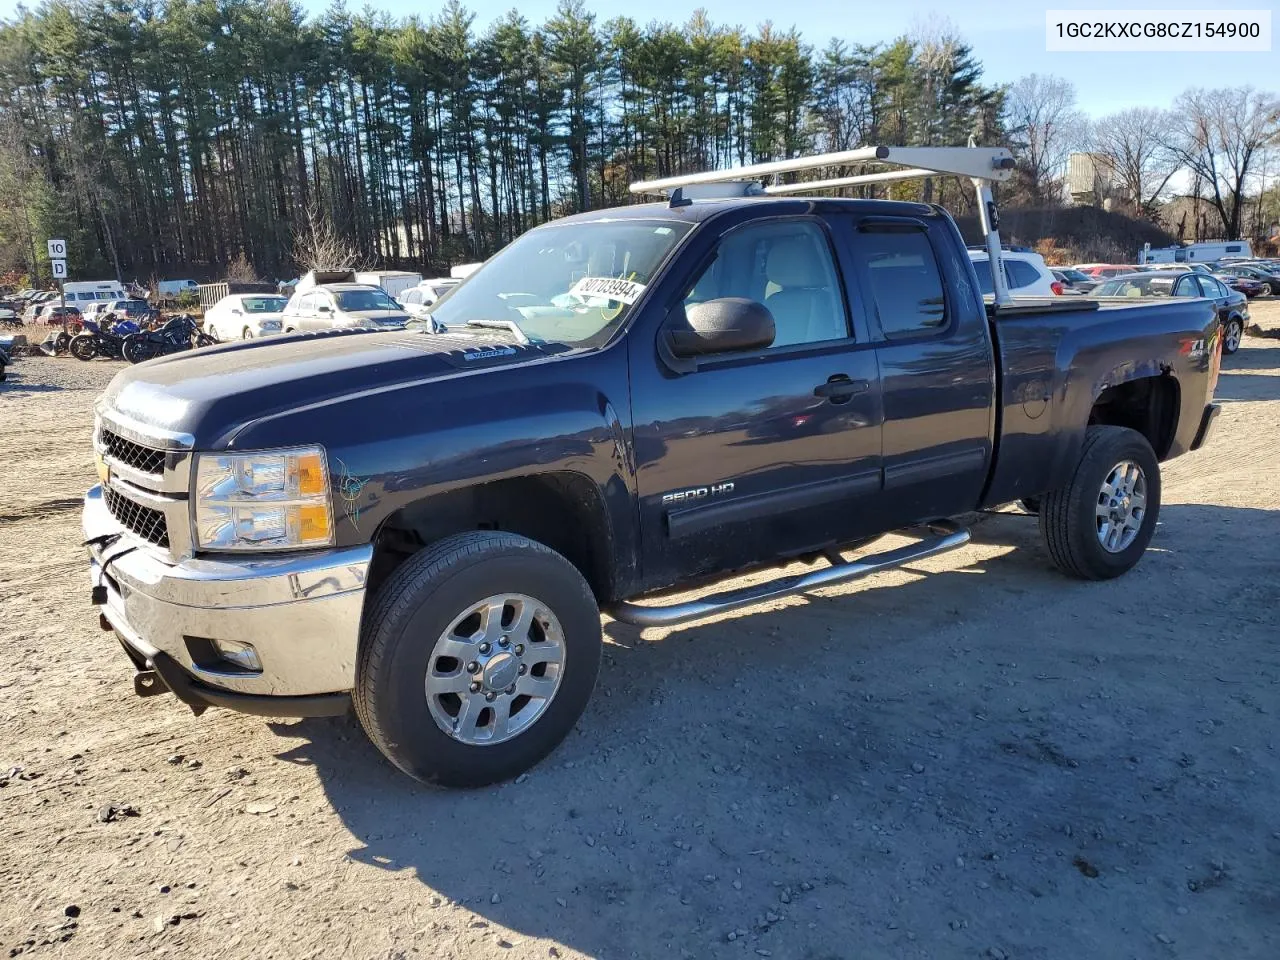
770 453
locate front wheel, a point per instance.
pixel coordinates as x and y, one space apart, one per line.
246 333
1232 334
1098 525
84 347
477 658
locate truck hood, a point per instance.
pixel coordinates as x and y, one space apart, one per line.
210 393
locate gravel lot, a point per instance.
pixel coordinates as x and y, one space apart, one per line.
973 757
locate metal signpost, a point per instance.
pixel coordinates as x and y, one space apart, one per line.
58 267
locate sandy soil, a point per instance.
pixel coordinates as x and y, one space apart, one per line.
973 757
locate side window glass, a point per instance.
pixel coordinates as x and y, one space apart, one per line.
787 266
1024 274
906 285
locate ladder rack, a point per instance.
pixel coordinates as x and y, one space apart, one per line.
981 165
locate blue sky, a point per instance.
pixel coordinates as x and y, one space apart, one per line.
1007 35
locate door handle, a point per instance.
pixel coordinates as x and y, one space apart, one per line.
839 388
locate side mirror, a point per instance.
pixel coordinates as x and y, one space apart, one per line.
236 312
323 308
726 325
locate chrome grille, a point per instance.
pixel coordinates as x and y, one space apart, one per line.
135 455
147 523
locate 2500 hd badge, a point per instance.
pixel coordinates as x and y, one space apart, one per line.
697 493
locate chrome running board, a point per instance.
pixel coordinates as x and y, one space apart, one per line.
949 536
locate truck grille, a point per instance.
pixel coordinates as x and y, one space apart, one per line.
147 523
135 455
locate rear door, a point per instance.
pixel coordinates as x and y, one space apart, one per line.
937 369
759 454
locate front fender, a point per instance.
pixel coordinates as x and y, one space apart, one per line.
390 448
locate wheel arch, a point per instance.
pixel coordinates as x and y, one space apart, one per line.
1148 404
563 509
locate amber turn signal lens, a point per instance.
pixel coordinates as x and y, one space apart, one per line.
313 524
310 474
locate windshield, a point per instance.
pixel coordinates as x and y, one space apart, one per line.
569 283
1075 276
358 301
263 304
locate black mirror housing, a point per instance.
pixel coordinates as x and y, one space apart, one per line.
726 325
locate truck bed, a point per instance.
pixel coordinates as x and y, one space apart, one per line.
1054 361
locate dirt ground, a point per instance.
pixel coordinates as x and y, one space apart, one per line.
974 757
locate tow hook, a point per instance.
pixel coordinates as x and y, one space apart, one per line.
148 683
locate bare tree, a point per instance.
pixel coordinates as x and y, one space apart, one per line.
1044 127
317 244
1220 135
1133 144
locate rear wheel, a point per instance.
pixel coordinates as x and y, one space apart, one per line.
1232 334
1098 525
478 656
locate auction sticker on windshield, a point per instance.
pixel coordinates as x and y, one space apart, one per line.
612 288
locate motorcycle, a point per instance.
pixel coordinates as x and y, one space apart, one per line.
179 333
102 340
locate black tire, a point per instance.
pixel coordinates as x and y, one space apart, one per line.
204 340
417 604
83 347
1232 334
246 334
1068 516
135 349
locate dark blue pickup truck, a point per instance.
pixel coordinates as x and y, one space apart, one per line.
428 522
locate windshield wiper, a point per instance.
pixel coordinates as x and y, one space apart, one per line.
508 325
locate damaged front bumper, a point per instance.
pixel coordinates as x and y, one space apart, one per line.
299 615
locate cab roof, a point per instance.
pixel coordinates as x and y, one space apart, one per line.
697 211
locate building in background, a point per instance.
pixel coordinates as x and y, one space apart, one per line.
1092 180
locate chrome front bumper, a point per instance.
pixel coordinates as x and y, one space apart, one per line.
301 613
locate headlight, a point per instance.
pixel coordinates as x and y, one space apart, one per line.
274 500
270 324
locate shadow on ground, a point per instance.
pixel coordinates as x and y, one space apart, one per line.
891 769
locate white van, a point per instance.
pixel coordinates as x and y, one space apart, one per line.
89 295
391 282
1205 251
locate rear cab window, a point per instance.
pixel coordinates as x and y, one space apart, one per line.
905 288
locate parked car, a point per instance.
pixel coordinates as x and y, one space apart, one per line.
132 309
1231 305
619 402
333 306
1103 271
1247 285
1025 273
417 299
54 314
1074 280
245 316
1268 277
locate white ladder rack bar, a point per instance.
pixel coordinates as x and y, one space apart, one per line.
981 165
988 163
888 176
